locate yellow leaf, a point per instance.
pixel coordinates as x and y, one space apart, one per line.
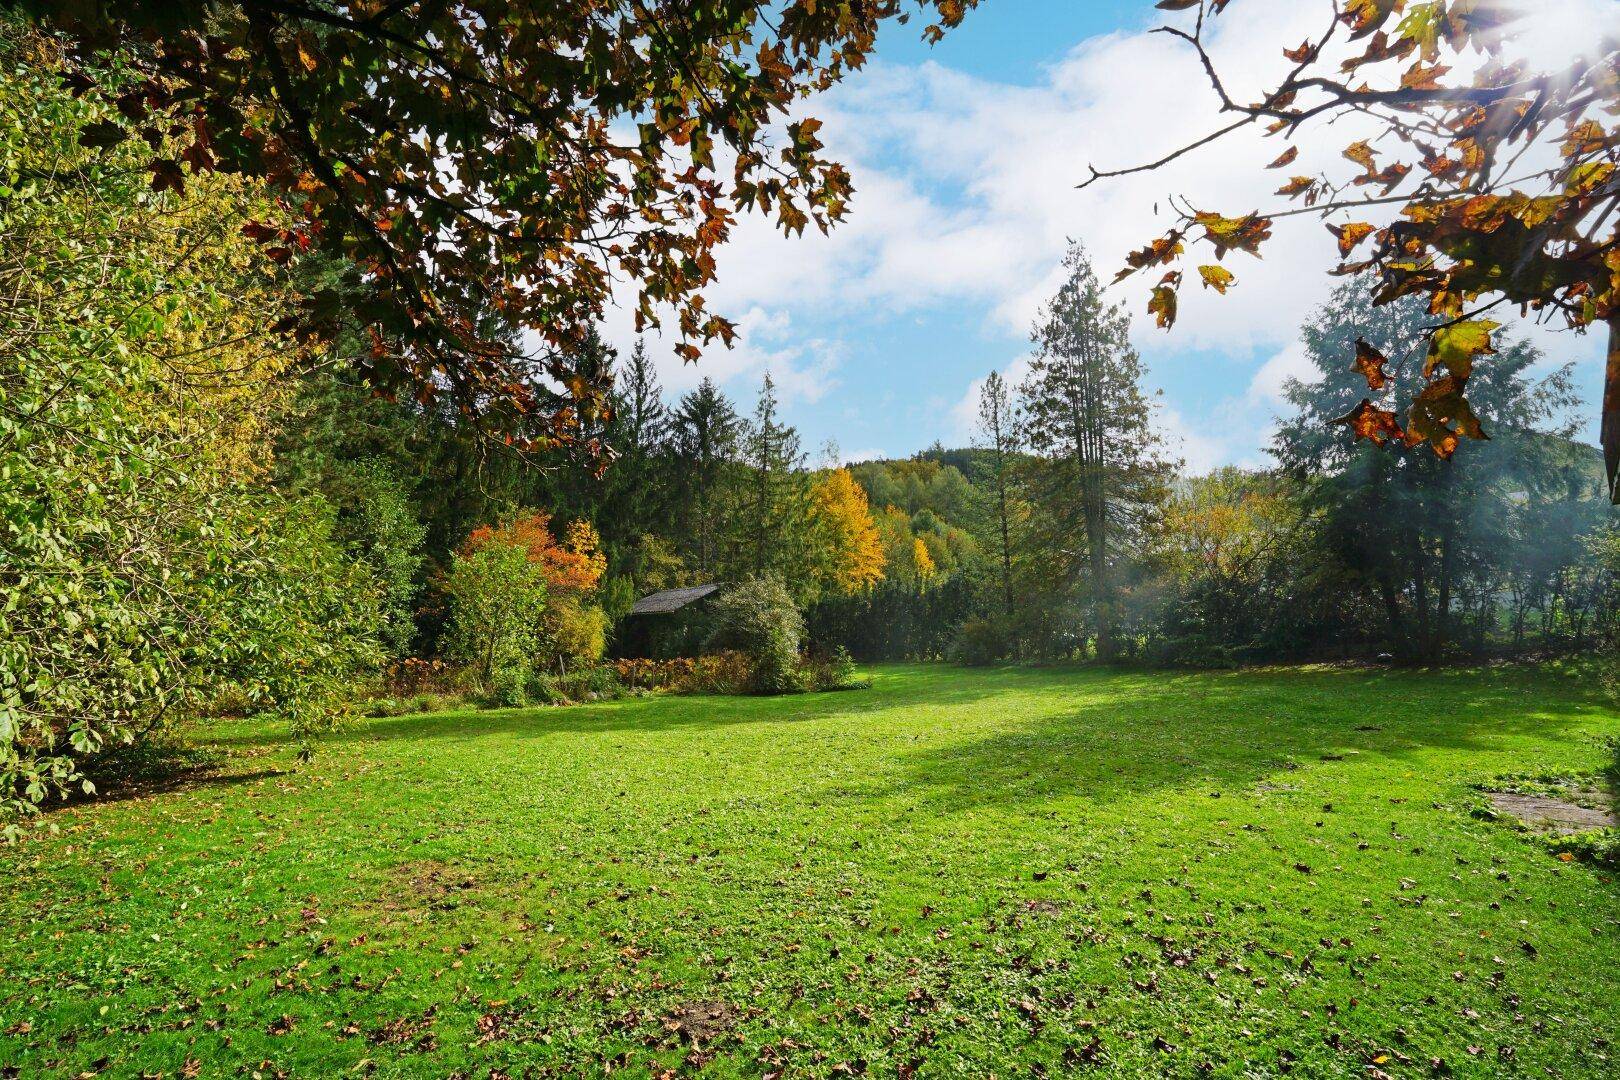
1218 278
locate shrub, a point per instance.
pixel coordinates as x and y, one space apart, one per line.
575 633
980 642
758 618
145 570
544 689
510 685
497 597
831 672
591 684
728 672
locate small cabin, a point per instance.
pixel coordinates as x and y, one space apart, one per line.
667 624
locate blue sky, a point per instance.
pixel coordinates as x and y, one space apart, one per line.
965 158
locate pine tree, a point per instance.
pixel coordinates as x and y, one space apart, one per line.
1099 472
639 399
632 500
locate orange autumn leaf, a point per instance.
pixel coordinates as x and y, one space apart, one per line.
1370 363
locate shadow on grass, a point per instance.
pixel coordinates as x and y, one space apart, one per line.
181 780
1231 729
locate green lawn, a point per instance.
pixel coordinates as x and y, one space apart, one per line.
956 873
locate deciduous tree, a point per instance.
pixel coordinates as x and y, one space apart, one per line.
491 164
849 550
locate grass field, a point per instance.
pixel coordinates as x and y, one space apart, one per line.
953 873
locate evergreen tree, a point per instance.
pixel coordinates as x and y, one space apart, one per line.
998 432
777 500
1099 473
1411 529
639 402
705 430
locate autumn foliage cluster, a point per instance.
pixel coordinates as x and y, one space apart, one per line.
571 564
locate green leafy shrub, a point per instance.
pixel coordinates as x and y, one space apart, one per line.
145 569
510 685
598 683
981 642
544 689
758 618
496 597
835 671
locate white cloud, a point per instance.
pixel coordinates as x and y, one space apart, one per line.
855 457
1272 377
1199 451
804 367
964 415
966 198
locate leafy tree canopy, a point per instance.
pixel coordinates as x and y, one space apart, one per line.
492 165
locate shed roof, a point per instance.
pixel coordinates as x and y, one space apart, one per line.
661 603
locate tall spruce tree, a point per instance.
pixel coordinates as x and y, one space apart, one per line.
639 401
704 435
777 501
1099 472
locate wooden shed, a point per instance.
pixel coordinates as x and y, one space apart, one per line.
666 624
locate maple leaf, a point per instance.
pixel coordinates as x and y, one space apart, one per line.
1302 55
1362 154
1162 305
1297 185
1370 363
1454 347
1350 235
1286 158
1436 408
102 134
1218 278
1368 421
1163 250
1419 77
1246 233
166 176
1365 16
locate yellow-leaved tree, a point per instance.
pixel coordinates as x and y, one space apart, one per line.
851 551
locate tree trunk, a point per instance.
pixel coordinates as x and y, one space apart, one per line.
1442 612
1392 611
1610 436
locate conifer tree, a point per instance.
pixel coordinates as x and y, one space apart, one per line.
1099 473
777 502
998 432
705 430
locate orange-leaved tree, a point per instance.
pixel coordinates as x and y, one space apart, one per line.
574 563
1502 178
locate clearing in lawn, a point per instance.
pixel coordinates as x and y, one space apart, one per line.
956 872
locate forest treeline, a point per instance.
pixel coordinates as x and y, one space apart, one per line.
209 511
